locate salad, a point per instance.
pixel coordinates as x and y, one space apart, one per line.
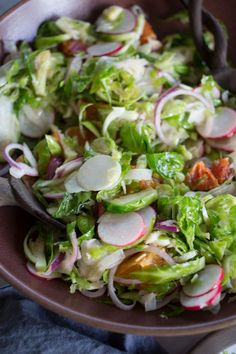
129 142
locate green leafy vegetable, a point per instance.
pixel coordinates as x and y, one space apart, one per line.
166 164
73 204
167 273
137 139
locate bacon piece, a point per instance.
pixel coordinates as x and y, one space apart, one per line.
148 33
82 138
147 184
201 178
221 170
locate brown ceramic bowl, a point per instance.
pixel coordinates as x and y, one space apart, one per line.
21 23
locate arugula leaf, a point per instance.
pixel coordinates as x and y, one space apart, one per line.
167 164
73 204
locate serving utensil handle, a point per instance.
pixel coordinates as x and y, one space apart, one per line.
6 196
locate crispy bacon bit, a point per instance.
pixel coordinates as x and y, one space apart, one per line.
71 47
221 169
201 178
147 34
82 138
147 184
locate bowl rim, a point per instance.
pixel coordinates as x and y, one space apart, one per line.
48 303
171 331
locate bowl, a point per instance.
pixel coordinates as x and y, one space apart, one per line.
21 22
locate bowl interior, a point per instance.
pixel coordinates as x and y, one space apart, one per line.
22 23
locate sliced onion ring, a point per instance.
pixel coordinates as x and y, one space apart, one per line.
54 163
167 225
56 262
166 97
112 292
19 169
93 294
126 281
44 275
68 167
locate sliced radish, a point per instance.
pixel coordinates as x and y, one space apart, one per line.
219 126
108 48
98 173
200 302
121 229
71 184
126 24
226 144
148 215
208 279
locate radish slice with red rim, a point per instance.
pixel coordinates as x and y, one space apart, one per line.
101 49
221 125
200 302
226 144
148 215
121 229
208 279
126 24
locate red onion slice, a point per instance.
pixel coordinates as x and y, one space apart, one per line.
167 225
29 156
112 292
54 163
44 275
126 281
68 167
71 256
19 169
56 262
93 294
166 97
